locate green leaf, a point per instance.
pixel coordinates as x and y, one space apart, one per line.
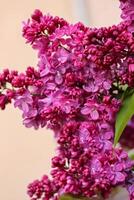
66 197
123 116
131 154
132 157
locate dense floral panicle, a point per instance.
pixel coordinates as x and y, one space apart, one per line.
75 92
127 7
130 185
41 26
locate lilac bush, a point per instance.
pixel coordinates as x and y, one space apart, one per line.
76 91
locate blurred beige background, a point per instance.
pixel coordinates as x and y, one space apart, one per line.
25 154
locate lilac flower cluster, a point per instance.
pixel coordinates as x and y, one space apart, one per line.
127 7
73 93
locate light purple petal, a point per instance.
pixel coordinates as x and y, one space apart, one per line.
85 111
94 114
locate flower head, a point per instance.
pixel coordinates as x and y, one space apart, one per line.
74 92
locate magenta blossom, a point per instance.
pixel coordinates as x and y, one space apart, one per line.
74 91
